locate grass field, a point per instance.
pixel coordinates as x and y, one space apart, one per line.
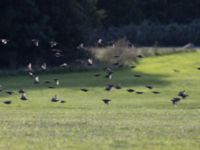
130 122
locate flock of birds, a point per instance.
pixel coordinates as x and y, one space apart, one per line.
182 95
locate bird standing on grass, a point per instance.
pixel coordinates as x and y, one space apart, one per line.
23 97
106 101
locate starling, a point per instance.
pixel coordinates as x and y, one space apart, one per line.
51 87
97 75
37 80
23 97
118 86
130 90
62 101
198 68
109 87
139 92
47 82
137 75
4 41
57 82
22 91
175 100
7 102
155 92
44 66
149 86
140 56
54 99
90 62
84 90
106 101
182 94
9 92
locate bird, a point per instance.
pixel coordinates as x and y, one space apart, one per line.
118 86
84 90
9 92
53 44
175 100
54 99
7 102
51 87
130 90
62 101
47 82
182 94
106 101
90 62
149 86
64 65
137 75
139 92
109 87
35 42
36 80
4 41
155 92
44 66
140 56
29 67
31 74
198 68
97 75
132 66
109 76
24 97
22 91
57 82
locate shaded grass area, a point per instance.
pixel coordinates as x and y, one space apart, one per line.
132 121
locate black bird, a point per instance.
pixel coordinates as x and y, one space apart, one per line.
139 92
118 86
198 68
97 75
62 101
47 82
138 75
175 100
7 102
84 90
140 56
51 87
9 92
149 86
155 92
22 91
106 101
130 90
54 99
23 97
132 66
109 76
109 87
182 94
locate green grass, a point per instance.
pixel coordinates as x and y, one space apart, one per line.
131 121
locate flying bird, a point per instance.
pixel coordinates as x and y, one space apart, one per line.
44 66
37 80
182 94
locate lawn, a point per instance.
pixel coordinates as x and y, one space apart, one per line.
132 121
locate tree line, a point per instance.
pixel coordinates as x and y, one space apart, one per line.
72 22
